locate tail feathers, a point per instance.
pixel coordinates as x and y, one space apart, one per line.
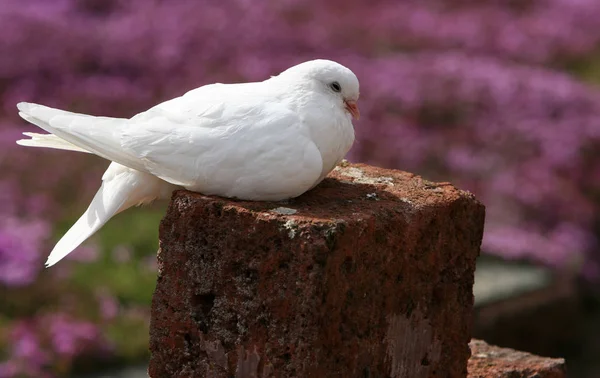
122 188
103 207
48 141
98 135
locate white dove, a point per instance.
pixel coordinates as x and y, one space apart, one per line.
263 141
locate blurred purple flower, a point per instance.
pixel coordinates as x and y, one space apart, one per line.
71 337
8 370
26 345
41 343
109 305
28 357
86 253
20 244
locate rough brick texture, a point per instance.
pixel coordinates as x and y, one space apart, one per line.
489 361
368 275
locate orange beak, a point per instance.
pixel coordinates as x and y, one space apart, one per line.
352 108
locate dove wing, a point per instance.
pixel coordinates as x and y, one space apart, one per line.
236 140
253 150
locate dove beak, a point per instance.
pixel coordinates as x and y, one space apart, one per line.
352 108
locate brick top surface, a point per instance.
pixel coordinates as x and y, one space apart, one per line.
488 361
351 190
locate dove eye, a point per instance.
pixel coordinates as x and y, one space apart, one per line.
335 86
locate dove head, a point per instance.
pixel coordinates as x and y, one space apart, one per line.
330 78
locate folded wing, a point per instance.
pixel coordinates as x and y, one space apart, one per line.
230 140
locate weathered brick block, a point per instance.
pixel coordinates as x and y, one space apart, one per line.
488 361
368 275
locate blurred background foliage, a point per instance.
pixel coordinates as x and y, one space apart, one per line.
498 97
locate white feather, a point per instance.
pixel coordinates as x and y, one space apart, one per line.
121 188
48 141
98 135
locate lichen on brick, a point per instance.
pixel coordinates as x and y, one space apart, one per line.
291 227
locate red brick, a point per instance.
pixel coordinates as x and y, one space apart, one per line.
489 361
371 276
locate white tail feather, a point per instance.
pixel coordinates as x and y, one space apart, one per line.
124 184
48 141
97 214
98 135
111 197
121 188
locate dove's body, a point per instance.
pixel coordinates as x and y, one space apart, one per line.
268 141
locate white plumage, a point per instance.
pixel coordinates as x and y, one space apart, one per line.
264 141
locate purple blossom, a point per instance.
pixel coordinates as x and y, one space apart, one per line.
40 344
8 369
109 305
20 257
28 356
26 345
86 253
71 337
